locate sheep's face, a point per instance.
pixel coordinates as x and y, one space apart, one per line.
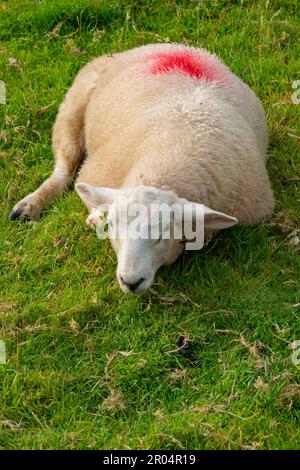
149 242
145 227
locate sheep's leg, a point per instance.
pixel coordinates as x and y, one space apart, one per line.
31 206
68 144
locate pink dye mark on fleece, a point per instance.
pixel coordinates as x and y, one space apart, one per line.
197 65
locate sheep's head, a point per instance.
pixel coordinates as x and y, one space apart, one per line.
148 228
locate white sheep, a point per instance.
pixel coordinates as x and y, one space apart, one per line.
161 123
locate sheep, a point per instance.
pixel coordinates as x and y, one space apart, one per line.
159 124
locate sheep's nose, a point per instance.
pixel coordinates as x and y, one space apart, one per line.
132 285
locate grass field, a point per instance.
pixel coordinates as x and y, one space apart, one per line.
88 366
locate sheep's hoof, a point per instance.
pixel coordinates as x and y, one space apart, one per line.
25 209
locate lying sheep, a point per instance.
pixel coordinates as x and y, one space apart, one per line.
161 123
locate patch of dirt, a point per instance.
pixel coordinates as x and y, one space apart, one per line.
289 398
74 327
114 402
283 221
185 347
178 374
261 385
6 307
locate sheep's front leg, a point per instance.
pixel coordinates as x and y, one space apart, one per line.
68 143
31 206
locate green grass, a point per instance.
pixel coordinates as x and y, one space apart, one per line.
63 318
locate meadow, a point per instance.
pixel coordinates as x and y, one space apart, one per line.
90 367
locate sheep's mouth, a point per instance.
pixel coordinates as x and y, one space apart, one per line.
139 289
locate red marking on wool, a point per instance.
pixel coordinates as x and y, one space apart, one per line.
195 65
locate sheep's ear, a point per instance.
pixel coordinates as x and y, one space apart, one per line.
214 220
93 196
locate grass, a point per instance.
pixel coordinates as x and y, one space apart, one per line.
88 366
